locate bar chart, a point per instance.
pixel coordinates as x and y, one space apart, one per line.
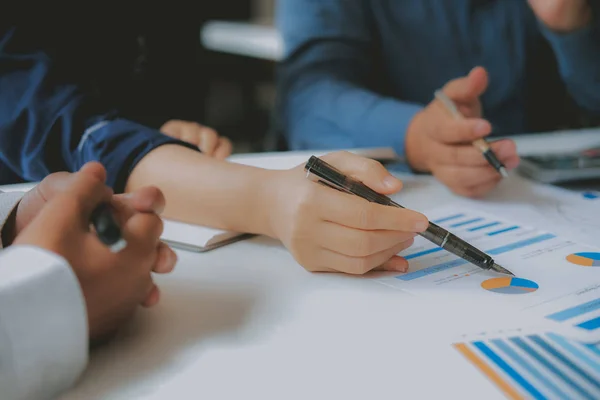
536 366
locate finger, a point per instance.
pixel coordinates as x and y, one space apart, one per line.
468 88
470 156
148 199
94 169
396 263
224 148
360 265
142 233
368 171
152 298
88 190
172 128
166 260
356 242
209 140
506 151
460 131
355 212
51 185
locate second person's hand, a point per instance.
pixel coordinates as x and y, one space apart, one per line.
438 143
207 139
113 285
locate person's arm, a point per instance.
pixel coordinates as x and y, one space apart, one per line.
326 79
578 54
43 324
48 124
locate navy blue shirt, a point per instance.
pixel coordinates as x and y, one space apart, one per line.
64 85
355 72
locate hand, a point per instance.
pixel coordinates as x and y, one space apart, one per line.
437 142
327 230
562 15
113 284
207 139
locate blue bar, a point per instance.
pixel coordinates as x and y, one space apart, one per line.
575 311
431 270
529 368
509 370
573 349
533 353
512 228
423 253
471 221
439 221
594 348
590 325
478 228
561 357
521 244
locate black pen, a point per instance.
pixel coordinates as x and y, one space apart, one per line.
107 229
481 144
321 172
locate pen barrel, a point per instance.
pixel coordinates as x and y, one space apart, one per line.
107 228
457 246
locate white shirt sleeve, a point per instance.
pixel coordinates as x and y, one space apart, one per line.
43 324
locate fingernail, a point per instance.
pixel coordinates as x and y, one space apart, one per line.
481 128
421 226
391 181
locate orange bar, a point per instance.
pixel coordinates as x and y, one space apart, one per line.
488 371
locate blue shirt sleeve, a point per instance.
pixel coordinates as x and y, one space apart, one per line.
43 120
578 56
327 91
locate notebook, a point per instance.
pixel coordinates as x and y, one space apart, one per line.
200 239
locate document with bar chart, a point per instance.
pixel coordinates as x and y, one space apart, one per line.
534 365
552 273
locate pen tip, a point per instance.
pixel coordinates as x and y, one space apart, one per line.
503 172
502 270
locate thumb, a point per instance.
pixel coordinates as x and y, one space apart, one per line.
468 88
366 170
88 188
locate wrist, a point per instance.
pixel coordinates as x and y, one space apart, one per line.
268 202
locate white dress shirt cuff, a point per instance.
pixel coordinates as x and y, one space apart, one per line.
43 319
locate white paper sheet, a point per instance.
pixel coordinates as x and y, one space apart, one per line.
546 280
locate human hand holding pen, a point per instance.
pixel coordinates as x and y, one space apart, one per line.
113 284
328 231
438 143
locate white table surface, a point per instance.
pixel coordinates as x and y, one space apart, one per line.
257 40
246 321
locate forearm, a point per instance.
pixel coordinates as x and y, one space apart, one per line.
205 191
328 113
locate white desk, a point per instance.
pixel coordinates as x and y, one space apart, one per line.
246 321
246 39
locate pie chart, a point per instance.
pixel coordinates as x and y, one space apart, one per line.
509 285
585 259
